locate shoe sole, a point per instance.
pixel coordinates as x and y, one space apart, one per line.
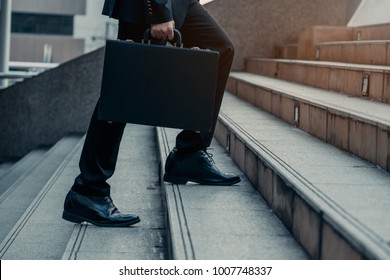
184 180
78 220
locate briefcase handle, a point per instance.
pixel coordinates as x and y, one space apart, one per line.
177 39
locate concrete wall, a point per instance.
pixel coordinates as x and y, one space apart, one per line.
41 110
258 26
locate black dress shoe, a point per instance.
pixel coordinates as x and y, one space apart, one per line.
196 167
96 210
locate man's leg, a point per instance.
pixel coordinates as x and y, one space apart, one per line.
99 156
89 198
100 151
189 161
201 30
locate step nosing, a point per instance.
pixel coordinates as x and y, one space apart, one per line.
337 65
75 242
181 241
358 42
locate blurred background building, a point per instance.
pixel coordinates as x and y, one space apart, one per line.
57 30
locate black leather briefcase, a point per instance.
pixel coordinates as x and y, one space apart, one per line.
158 85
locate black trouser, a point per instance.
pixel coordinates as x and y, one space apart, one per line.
100 151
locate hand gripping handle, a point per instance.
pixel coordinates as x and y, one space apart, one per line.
177 39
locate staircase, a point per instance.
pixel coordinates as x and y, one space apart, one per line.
308 132
310 129
178 222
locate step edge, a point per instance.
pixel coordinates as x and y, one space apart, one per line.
360 42
180 243
75 241
331 64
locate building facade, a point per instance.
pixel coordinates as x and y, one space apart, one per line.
58 30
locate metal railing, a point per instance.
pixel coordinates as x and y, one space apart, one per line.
23 70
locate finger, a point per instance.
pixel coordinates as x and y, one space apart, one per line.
156 33
170 34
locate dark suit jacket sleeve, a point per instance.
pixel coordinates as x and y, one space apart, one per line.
108 7
140 11
158 11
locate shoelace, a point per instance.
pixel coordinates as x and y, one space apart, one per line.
209 156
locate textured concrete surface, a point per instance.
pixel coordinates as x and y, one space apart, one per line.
224 222
43 109
42 234
135 189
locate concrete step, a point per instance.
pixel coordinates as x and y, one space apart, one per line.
318 34
31 237
288 51
358 80
26 180
358 52
221 222
314 35
12 172
360 127
372 32
135 189
335 205
4 167
41 233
